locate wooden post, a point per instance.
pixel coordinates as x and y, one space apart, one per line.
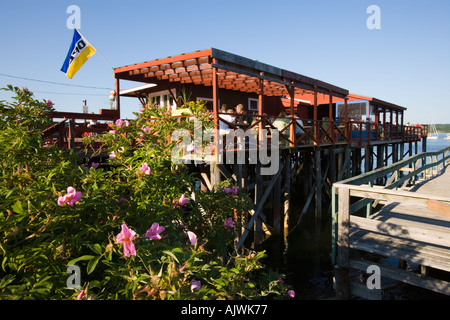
394 152
215 173
345 110
402 150
260 106
293 126
287 192
277 206
318 179
380 162
339 165
347 129
331 118
118 96
343 245
316 131
332 165
390 124
377 120
71 135
259 189
216 112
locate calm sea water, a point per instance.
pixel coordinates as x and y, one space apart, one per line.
304 256
437 144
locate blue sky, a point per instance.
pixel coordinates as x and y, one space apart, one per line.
405 62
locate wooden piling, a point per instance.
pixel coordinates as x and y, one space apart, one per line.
318 184
287 194
259 189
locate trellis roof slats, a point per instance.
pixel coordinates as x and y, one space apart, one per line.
234 73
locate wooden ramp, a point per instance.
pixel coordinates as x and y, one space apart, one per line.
411 229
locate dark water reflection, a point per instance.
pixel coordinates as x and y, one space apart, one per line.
304 256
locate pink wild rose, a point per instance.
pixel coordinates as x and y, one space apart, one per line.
229 223
70 198
126 236
192 238
233 190
120 122
191 147
195 285
183 200
291 293
154 232
145 169
80 295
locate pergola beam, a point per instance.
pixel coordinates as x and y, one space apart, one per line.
196 68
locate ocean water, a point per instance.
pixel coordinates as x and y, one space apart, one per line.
437 144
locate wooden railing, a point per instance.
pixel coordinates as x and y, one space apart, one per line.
65 132
347 216
363 133
306 132
346 208
319 132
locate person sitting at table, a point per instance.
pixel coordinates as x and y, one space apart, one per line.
223 108
224 128
243 121
280 123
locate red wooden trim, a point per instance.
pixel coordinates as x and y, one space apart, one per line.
157 62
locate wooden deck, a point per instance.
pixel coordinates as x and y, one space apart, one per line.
412 229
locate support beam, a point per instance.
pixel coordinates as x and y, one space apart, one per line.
259 189
318 182
118 96
258 209
292 130
260 106
287 192
316 131
215 88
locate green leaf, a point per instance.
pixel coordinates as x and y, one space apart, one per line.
85 257
96 248
92 264
108 255
7 280
5 259
17 207
172 255
9 193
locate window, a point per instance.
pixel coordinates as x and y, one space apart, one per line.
252 104
209 102
162 98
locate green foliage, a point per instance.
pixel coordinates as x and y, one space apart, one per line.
41 237
443 128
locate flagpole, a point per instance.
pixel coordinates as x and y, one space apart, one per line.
95 49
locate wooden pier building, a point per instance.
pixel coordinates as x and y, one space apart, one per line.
329 134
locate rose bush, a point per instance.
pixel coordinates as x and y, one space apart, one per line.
135 223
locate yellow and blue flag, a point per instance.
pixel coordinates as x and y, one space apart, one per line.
79 52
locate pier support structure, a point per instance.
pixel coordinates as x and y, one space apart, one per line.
308 172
